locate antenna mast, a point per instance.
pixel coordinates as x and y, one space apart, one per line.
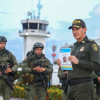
39 6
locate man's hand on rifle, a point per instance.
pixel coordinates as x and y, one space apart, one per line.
8 70
42 69
39 69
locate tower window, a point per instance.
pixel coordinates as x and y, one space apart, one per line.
25 26
42 27
32 25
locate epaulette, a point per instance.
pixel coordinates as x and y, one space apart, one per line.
90 40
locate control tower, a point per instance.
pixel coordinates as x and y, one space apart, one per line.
34 30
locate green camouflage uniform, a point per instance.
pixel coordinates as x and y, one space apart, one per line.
63 77
87 52
97 85
4 56
35 89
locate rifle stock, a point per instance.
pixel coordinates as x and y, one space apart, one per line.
8 79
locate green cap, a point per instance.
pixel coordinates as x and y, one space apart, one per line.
3 39
77 23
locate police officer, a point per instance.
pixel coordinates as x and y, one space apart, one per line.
5 58
85 59
38 70
63 78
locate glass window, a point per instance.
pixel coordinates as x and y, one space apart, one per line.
25 26
40 26
32 25
45 27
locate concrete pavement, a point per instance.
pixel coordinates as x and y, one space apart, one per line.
12 98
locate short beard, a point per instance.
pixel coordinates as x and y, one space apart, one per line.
39 55
2 48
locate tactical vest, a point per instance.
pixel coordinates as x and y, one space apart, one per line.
4 57
6 60
29 77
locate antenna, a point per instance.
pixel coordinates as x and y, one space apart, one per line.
31 5
39 6
32 10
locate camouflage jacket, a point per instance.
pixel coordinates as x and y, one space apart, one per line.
6 56
28 64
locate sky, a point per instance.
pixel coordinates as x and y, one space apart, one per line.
60 15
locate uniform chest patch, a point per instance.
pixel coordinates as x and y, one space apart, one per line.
95 47
82 49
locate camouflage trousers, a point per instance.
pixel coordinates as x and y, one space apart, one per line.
33 91
81 91
97 95
5 89
64 96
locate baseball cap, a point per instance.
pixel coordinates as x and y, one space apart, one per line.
77 23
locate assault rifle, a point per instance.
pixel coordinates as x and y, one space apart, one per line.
41 76
8 79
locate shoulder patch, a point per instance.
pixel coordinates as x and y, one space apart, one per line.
95 47
83 41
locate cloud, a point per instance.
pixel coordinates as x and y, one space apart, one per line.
4 13
96 11
61 35
10 34
93 23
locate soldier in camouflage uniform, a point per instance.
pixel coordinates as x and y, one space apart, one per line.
63 78
37 70
85 58
6 56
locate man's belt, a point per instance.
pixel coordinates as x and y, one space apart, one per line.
79 80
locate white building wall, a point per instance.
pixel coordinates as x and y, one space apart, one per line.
29 42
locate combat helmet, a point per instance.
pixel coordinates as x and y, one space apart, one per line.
38 45
3 39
